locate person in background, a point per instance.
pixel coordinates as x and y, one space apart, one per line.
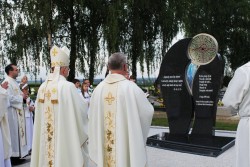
24 80
85 94
16 116
77 85
119 119
90 87
60 128
237 99
5 141
28 107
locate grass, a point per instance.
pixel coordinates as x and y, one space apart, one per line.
221 125
160 119
159 122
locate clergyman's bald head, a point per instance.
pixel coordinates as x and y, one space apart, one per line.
116 61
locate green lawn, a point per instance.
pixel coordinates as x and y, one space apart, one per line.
220 124
159 122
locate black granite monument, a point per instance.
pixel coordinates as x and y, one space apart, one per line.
190 78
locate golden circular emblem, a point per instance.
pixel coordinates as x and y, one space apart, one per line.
202 49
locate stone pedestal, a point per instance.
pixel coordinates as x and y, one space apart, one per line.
213 146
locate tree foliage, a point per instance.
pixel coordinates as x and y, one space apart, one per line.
93 29
227 21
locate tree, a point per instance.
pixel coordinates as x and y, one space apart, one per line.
150 29
227 21
91 28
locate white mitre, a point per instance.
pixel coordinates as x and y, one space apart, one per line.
59 56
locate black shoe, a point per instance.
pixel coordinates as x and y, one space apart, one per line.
17 160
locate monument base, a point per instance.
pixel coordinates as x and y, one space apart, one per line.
206 146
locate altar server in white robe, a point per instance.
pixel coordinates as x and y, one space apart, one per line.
5 141
60 127
28 108
119 119
16 115
237 98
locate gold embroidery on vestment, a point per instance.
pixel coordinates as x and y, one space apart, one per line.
21 127
110 130
110 98
49 135
58 63
41 101
54 90
54 101
54 52
48 94
109 139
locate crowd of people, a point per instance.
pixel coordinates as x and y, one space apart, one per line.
16 118
70 123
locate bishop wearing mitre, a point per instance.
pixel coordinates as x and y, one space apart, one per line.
60 127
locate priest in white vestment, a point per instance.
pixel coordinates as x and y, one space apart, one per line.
237 98
5 141
119 119
60 127
16 115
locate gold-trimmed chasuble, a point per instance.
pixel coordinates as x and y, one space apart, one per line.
21 127
110 105
21 121
49 98
49 136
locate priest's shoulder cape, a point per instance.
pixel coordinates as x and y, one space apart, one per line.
120 116
60 128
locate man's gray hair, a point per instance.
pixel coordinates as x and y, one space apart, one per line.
117 60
